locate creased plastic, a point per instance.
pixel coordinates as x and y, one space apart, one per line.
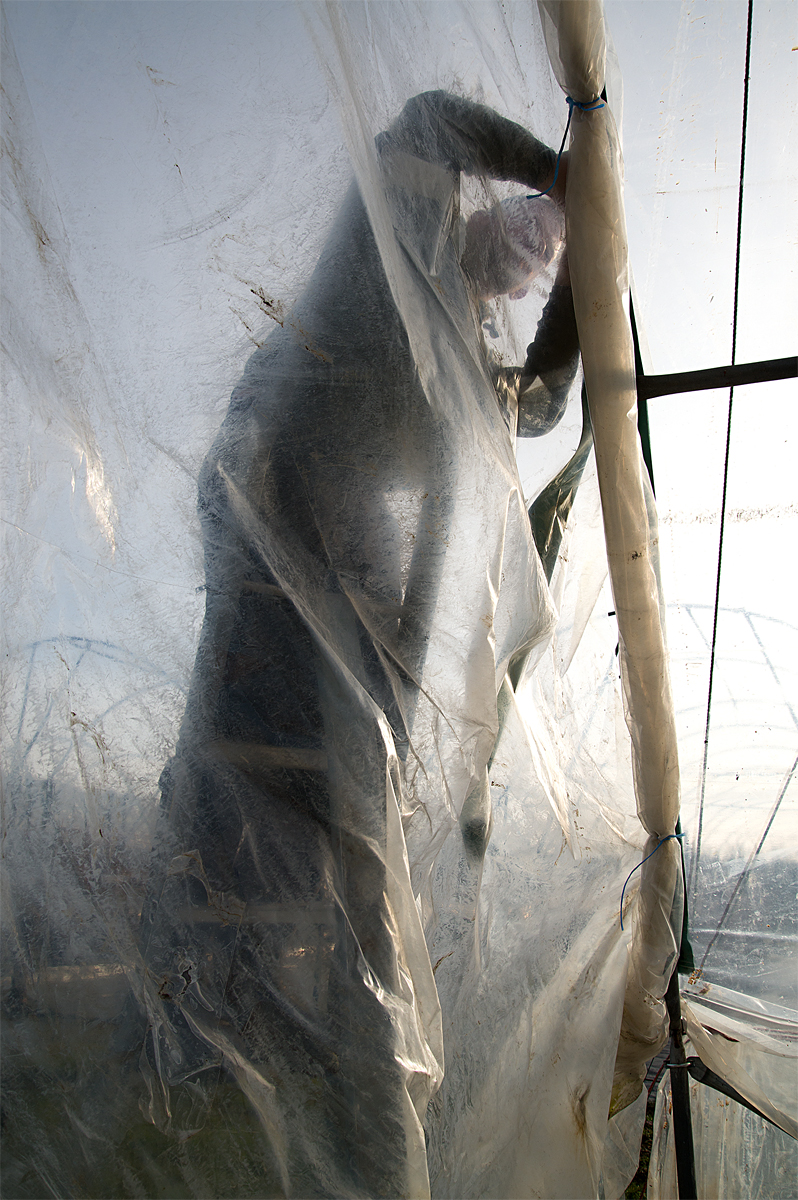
320 800
751 1045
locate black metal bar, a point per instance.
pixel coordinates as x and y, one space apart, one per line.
680 1092
716 377
702 1074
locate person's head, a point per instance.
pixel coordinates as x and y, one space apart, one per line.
508 245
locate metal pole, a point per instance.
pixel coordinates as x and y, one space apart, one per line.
734 375
680 1090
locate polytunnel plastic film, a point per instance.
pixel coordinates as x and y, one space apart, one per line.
370 873
752 1045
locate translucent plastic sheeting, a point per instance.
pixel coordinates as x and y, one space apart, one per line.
683 133
622 1148
753 1046
738 1155
376 948
683 66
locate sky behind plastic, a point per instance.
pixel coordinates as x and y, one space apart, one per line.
683 67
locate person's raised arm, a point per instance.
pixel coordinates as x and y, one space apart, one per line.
469 137
552 360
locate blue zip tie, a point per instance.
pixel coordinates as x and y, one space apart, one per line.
590 106
645 860
587 105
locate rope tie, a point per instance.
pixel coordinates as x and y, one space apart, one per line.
662 842
583 106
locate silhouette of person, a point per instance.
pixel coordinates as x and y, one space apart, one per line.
327 503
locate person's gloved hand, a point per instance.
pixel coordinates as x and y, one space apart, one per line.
551 364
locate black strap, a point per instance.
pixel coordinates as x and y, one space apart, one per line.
702 1074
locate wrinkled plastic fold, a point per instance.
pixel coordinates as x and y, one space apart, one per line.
752 1046
321 791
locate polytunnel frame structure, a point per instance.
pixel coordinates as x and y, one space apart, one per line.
675 1057
648 387
653 952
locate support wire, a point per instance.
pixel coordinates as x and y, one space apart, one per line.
696 856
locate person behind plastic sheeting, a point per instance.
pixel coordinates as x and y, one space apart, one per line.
283 945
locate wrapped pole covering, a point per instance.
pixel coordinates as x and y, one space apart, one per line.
597 252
